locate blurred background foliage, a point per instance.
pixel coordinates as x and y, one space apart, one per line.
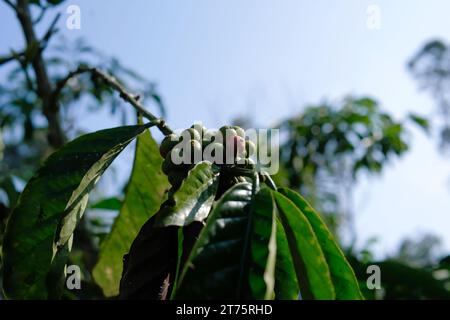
325 148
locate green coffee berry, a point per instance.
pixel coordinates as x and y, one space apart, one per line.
196 145
168 143
196 151
168 165
240 132
200 128
175 156
250 148
210 135
227 131
191 133
214 153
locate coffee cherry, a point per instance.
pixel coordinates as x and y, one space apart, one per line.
250 148
210 136
239 131
200 129
168 143
191 134
214 153
196 151
227 131
168 165
235 147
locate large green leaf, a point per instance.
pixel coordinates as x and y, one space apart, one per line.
144 193
149 268
342 275
286 284
155 255
194 199
234 256
50 207
311 267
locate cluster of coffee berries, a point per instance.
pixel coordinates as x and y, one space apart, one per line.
224 147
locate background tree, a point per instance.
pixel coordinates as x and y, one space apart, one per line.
430 67
328 147
37 99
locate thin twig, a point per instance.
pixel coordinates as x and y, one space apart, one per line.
41 15
124 94
51 30
11 57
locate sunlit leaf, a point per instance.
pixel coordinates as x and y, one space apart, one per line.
313 274
344 280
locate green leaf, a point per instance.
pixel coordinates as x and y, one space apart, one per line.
143 196
154 255
234 256
263 246
311 267
194 199
342 275
422 122
50 207
286 285
112 203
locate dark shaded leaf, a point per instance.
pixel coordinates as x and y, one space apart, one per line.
50 207
149 268
234 256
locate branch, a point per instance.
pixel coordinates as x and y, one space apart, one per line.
11 57
124 94
41 15
50 31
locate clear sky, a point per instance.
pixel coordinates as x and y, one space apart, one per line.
216 59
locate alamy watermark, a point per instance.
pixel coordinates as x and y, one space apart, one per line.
374 280
73 21
73 277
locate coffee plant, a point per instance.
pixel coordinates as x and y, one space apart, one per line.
200 219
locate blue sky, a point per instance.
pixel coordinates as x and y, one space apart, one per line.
214 60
